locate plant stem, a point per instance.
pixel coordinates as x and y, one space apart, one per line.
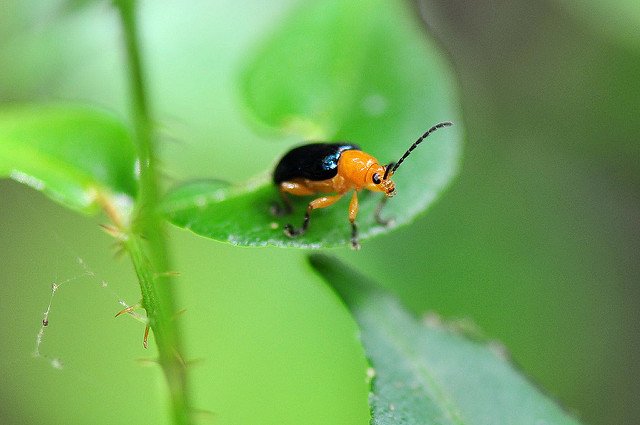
147 243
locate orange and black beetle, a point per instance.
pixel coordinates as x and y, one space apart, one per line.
335 168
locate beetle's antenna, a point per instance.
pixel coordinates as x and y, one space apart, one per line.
387 169
415 144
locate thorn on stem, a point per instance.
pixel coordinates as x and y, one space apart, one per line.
148 362
119 250
145 340
113 231
179 313
167 274
127 310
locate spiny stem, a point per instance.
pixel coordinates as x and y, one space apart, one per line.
147 244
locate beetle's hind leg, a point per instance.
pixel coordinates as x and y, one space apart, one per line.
322 202
283 209
292 187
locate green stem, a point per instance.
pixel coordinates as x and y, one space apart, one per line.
147 244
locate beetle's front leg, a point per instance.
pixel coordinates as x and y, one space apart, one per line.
384 222
322 202
353 212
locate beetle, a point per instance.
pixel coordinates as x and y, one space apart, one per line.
335 168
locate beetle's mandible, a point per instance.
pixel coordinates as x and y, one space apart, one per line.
334 169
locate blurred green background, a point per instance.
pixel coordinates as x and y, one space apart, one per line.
538 241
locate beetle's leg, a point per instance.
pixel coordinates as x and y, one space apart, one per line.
284 209
353 212
293 188
322 202
379 219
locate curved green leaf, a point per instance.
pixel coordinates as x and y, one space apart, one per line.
360 71
424 373
79 157
308 75
620 19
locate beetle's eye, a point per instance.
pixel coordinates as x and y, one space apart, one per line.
376 178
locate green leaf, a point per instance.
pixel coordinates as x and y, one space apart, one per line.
360 71
619 19
80 157
425 373
308 75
